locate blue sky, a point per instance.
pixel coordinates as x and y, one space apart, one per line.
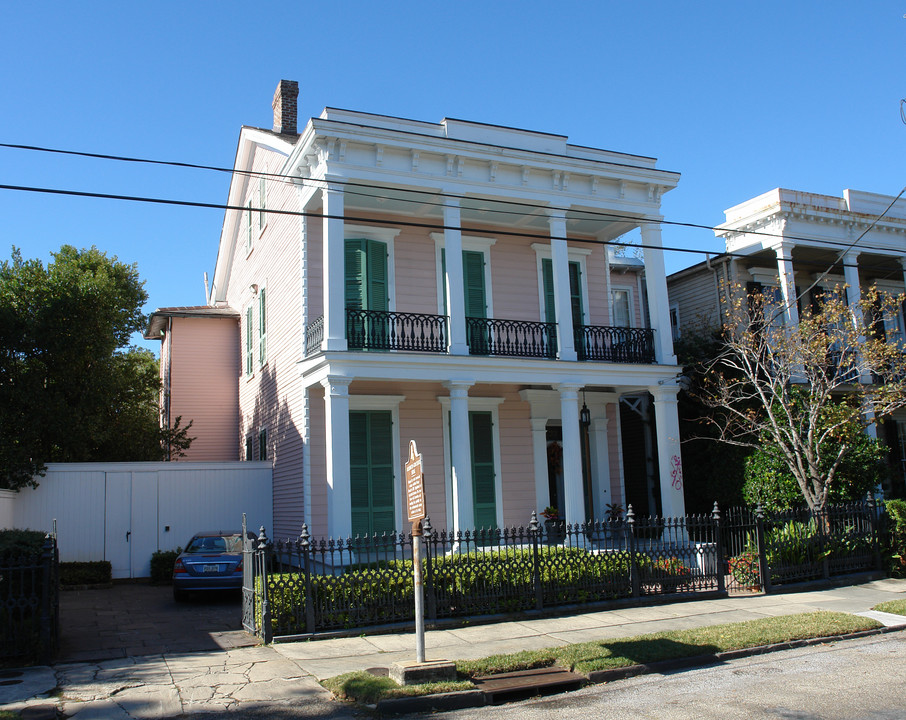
739 97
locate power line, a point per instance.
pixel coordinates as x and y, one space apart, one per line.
379 221
612 216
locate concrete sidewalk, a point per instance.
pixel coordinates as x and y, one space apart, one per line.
284 677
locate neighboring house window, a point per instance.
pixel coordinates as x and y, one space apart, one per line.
262 328
575 291
484 481
262 215
262 444
622 307
674 321
366 289
249 347
371 471
249 447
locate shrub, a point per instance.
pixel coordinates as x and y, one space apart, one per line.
162 563
85 573
744 568
895 542
21 542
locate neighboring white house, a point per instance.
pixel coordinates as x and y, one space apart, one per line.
785 241
455 284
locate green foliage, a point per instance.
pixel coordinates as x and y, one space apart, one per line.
895 543
20 542
744 568
769 480
364 687
71 389
162 563
95 572
895 607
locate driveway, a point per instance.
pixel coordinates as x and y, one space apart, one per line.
132 619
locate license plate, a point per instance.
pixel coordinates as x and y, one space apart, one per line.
211 569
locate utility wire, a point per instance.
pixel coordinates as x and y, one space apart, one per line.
312 182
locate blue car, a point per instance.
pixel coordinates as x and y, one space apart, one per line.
211 561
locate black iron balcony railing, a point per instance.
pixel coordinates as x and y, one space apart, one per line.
615 344
314 335
385 330
511 338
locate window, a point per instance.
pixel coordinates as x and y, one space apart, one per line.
249 447
371 471
262 328
249 348
262 215
622 307
248 223
674 321
484 483
575 291
262 444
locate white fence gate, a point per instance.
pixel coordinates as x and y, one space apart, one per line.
123 512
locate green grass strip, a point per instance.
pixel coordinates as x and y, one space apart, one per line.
616 653
896 607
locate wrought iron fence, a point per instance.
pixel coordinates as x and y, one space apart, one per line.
511 338
29 604
304 585
385 330
314 336
615 344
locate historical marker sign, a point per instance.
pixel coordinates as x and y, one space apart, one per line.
415 485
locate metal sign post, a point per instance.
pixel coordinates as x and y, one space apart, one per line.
415 503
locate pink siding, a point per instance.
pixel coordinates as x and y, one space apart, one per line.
204 362
272 396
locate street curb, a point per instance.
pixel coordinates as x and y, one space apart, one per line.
476 698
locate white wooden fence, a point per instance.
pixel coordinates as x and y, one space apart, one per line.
123 512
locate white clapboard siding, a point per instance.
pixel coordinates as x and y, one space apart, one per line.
124 512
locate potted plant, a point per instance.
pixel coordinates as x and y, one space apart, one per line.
554 527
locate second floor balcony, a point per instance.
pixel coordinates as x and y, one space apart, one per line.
422 332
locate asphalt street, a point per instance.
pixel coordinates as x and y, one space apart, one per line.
862 679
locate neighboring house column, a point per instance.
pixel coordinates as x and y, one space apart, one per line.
539 455
453 254
600 461
670 462
336 422
563 308
854 290
574 497
334 270
461 457
658 304
787 279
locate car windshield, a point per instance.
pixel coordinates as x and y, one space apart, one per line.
215 544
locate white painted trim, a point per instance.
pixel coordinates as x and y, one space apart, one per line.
479 404
766 276
375 402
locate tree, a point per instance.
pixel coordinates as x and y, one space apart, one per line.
800 393
71 388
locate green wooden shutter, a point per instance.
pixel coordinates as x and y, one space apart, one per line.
249 347
547 277
473 280
355 274
483 476
575 293
371 472
262 327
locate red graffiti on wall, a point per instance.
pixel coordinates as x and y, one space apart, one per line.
677 472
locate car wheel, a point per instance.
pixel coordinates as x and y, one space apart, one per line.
180 595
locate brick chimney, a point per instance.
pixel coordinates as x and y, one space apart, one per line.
285 107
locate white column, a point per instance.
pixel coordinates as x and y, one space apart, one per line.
461 457
854 290
787 279
658 304
455 287
562 297
670 463
539 455
336 421
334 270
574 497
600 461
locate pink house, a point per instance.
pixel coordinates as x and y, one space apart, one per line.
458 284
